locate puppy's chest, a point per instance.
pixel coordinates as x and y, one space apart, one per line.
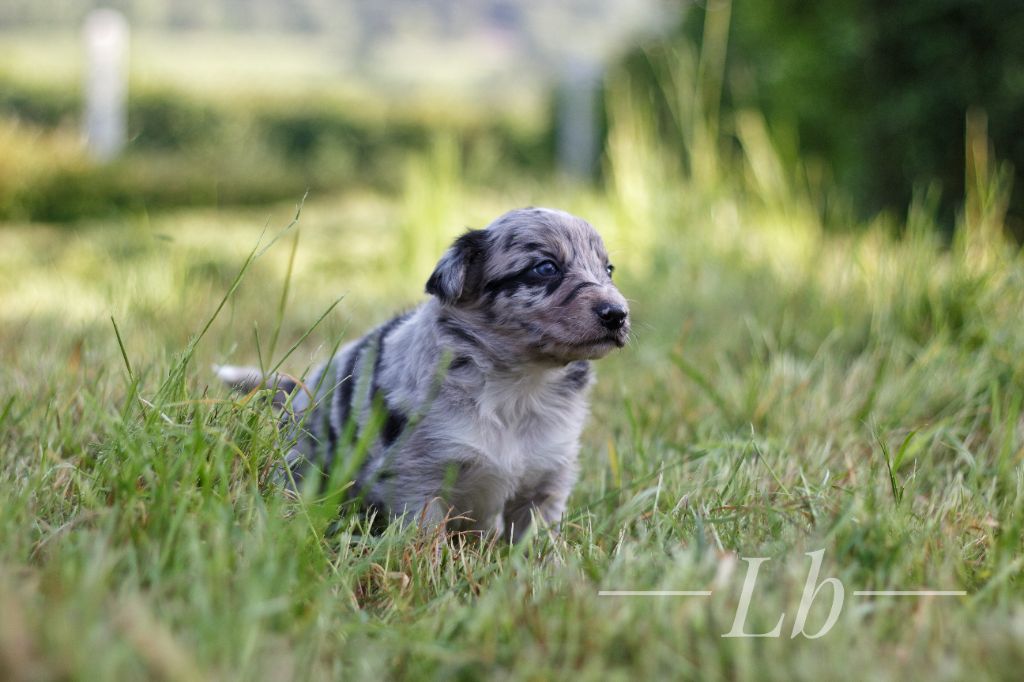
522 434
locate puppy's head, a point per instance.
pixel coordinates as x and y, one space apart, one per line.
538 279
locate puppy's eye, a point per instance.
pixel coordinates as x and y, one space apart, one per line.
609 269
546 269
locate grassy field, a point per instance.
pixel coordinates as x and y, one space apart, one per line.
792 386
229 119
463 78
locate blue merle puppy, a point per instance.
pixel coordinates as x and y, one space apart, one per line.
472 403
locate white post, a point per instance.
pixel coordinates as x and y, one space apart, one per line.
106 82
578 110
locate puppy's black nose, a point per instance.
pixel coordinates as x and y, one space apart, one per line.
611 316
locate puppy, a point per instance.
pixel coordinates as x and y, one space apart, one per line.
468 409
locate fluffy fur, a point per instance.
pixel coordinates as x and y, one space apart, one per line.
469 408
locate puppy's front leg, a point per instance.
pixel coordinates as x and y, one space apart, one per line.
547 502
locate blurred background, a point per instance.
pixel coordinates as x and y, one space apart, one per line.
233 102
813 207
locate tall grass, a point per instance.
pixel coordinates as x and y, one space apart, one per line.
793 385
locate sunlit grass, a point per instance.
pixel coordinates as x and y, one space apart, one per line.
225 66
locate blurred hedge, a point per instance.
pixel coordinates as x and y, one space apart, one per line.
877 90
188 151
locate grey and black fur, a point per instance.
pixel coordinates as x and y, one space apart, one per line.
472 403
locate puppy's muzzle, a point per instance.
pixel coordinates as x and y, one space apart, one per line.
612 317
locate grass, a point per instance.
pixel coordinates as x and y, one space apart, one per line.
793 386
220 118
219 65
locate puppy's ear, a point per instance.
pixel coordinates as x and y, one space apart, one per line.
459 273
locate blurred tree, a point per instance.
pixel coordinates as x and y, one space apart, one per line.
879 89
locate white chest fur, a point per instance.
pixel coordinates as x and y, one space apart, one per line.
520 428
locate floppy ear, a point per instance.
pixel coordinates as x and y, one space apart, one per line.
459 273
